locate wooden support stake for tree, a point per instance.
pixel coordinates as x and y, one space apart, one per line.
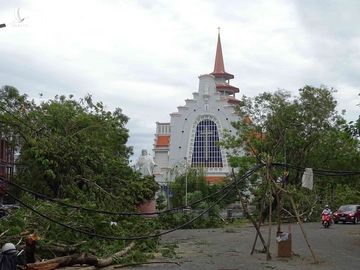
299 221
256 237
259 224
249 216
244 206
302 229
254 244
278 211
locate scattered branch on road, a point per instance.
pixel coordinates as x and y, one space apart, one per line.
79 259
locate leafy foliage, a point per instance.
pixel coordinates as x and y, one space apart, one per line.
305 131
23 221
75 151
344 194
197 189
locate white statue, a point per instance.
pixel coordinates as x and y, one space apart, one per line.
145 164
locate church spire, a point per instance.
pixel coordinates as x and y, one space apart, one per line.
219 60
219 68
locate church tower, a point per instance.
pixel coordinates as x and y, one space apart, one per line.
192 137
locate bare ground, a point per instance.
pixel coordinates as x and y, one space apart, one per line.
229 249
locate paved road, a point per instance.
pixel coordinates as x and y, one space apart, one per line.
229 249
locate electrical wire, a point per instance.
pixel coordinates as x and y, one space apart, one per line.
42 196
115 237
319 172
235 182
45 197
249 173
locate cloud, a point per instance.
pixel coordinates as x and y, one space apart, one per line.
145 56
334 45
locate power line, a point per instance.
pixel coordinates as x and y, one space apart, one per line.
45 197
249 173
115 237
42 196
235 182
319 172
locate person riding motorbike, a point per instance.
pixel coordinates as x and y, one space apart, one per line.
326 211
326 217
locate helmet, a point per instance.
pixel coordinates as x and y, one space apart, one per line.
327 206
9 248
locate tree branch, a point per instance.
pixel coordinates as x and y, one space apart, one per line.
78 259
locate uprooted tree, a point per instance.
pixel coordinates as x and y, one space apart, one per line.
74 151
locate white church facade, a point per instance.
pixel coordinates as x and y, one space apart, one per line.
192 136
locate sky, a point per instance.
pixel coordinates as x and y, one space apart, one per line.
145 56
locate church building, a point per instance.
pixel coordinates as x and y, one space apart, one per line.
191 138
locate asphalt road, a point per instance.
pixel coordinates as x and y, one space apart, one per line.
229 249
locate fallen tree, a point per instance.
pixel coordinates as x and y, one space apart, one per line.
79 259
76 153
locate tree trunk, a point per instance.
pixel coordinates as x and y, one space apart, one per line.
78 259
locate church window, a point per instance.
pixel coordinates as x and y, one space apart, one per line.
206 151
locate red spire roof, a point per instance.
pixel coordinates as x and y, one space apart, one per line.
219 68
219 60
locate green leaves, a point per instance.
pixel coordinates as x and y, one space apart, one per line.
306 131
293 129
65 141
76 151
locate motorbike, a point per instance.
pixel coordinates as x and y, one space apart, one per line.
326 220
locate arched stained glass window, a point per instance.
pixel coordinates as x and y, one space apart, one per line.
206 150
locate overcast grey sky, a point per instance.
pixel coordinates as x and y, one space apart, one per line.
145 56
